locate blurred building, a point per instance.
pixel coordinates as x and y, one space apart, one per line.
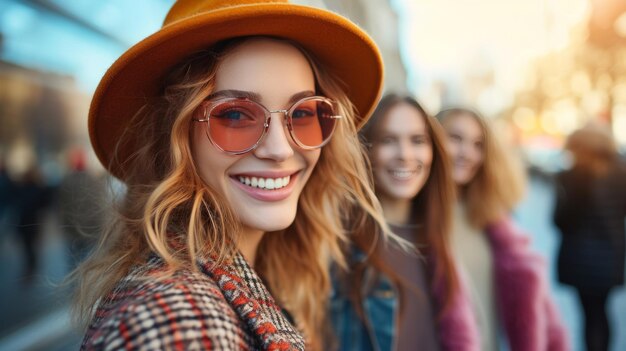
582 82
52 55
380 20
39 110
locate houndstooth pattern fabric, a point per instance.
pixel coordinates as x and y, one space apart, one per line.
245 291
224 307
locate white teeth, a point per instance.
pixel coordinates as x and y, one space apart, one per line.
265 183
402 174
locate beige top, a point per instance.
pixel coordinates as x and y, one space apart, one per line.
472 251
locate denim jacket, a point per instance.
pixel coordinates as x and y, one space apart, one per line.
380 305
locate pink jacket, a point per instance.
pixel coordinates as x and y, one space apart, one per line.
528 314
458 330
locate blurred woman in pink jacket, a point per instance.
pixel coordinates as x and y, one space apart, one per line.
506 280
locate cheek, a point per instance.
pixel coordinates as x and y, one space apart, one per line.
425 155
480 156
477 158
381 155
377 163
210 163
312 157
453 149
379 175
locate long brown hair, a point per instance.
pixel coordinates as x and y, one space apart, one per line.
499 183
165 195
432 207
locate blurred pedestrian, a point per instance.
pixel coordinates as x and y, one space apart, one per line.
508 284
32 198
392 298
81 198
7 189
590 212
224 124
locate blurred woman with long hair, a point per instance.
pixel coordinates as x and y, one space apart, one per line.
590 211
507 281
393 297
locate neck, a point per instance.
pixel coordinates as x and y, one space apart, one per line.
249 243
396 211
461 190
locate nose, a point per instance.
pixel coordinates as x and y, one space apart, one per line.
275 146
404 150
466 150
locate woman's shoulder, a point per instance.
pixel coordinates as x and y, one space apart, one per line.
512 247
182 310
506 231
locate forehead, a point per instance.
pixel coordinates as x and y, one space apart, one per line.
403 119
264 65
465 125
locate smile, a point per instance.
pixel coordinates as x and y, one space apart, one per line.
402 174
266 186
265 183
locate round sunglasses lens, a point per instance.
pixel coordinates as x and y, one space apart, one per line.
313 121
235 126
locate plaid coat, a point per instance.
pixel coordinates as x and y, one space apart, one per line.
224 307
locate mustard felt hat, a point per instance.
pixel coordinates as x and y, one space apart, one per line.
193 25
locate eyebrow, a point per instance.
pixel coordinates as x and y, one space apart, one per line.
242 94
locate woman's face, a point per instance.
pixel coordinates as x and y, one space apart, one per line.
402 153
465 145
275 74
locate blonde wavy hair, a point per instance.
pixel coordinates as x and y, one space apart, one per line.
166 195
500 181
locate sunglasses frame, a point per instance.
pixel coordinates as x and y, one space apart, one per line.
208 106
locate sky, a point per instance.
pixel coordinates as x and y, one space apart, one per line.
447 40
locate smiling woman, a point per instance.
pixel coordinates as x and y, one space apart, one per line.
507 280
399 299
278 74
237 191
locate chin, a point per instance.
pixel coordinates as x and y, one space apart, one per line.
402 194
407 195
270 222
411 190
459 176
461 181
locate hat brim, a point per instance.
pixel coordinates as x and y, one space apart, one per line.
137 75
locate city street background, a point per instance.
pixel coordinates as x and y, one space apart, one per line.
39 318
539 69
